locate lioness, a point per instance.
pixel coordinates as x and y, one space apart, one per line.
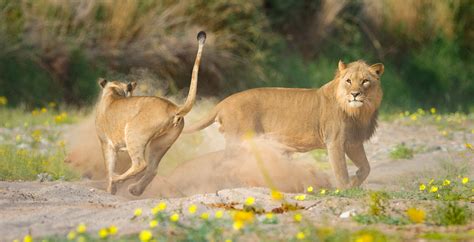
139 124
339 116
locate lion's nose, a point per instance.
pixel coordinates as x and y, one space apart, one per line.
355 94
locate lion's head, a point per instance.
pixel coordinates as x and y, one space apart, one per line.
359 91
117 88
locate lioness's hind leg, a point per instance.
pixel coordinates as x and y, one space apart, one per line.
357 154
157 149
136 145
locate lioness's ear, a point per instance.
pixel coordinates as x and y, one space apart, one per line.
378 68
102 82
341 66
131 86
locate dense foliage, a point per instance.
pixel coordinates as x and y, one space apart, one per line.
54 50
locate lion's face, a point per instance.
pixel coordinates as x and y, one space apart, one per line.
359 87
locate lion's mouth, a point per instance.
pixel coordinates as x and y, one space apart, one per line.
355 103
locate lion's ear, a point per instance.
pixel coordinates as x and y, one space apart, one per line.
378 68
102 82
341 66
131 86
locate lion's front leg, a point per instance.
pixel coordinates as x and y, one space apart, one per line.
357 154
337 159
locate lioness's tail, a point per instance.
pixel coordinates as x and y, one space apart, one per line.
203 123
183 110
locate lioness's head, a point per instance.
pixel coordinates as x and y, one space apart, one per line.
358 87
117 88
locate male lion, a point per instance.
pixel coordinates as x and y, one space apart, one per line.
339 116
139 124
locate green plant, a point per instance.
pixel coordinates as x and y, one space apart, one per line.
451 213
378 202
401 151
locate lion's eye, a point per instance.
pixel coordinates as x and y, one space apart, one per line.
365 82
348 81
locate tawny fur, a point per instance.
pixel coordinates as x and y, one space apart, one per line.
339 117
145 127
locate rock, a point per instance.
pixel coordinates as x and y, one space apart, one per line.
347 214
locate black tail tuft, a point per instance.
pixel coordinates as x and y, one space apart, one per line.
201 37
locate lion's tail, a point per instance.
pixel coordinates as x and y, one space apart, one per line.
203 123
183 110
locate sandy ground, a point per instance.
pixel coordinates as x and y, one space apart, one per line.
57 207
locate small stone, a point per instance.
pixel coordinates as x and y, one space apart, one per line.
347 213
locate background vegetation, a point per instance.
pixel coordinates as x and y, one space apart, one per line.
52 50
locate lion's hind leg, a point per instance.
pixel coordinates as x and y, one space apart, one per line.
136 143
156 149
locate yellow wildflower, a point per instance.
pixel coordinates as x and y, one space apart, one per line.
145 235
16 240
249 201
433 110
276 195
35 112
298 217
241 218
18 138
433 189
413 117
113 230
219 214
162 206
364 238
71 235
337 191
81 228
238 225
269 216
444 133
204 216
153 223
323 191
3 100
174 217
138 212
28 238
192 209
446 182
44 110
438 118
422 187
300 235
469 146
300 197
465 180
416 215
36 135
228 240
309 189
103 233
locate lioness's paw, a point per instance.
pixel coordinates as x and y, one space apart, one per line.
135 190
112 189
